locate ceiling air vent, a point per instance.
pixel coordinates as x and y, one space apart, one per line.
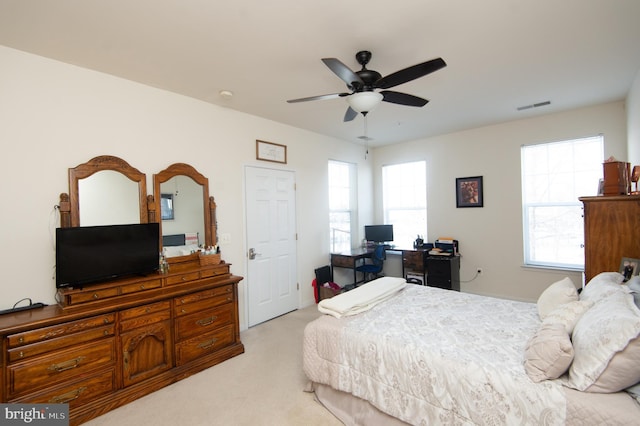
539 104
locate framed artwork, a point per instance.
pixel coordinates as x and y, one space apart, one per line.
166 206
629 267
469 192
268 151
601 187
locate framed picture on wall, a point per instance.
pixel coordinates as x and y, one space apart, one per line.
629 267
469 192
269 151
166 206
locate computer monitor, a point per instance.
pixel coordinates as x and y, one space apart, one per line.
378 233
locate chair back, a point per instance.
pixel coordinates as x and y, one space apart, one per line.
379 255
323 275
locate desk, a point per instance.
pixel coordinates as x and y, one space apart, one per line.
434 271
350 259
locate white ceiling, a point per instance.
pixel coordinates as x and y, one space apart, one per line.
501 54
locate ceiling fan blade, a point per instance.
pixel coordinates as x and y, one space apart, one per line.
343 71
410 73
317 98
350 114
402 98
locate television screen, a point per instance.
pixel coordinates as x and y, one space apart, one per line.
378 233
92 254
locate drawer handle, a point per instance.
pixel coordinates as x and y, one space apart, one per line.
141 286
67 365
229 299
208 344
96 295
183 278
69 396
207 321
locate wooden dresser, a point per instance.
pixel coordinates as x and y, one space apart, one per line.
109 344
611 232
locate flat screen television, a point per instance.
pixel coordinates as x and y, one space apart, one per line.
378 233
92 254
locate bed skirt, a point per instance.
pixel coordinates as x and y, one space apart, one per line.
351 410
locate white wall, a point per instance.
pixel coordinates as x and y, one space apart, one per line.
633 125
54 116
491 237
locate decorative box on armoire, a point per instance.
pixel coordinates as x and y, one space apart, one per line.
443 272
611 232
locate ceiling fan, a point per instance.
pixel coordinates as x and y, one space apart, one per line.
362 84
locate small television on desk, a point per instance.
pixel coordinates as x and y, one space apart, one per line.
378 234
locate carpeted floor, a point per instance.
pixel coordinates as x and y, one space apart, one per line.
262 387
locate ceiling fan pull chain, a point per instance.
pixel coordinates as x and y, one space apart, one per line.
366 137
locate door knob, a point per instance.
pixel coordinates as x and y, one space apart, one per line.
253 254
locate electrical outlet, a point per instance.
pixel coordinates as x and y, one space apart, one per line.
479 271
225 238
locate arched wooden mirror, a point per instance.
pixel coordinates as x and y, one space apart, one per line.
184 208
105 190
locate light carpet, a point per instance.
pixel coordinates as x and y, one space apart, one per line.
264 386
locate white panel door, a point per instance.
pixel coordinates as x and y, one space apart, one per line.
271 242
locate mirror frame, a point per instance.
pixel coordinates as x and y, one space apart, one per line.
69 204
182 169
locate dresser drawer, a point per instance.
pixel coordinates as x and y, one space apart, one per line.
139 311
75 394
144 315
203 300
141 286
183 278
208 343
215 272
48 370
91 296
27 351
60 330
202 322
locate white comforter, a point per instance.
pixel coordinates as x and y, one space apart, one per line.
431 356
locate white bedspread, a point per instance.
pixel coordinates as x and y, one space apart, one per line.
430 356
362 298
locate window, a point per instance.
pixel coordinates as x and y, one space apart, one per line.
554 175
342 205
404 197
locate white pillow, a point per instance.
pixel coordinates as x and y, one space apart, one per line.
607 347
634 288
548 354
568 314
602 285
558 293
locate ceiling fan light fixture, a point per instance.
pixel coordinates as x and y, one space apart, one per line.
364 101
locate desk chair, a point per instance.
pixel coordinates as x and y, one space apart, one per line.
371 271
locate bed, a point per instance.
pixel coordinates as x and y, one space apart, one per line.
427 356
180 244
